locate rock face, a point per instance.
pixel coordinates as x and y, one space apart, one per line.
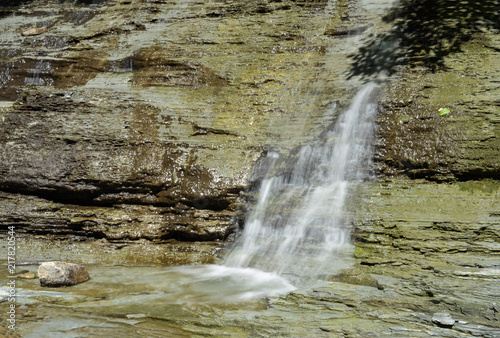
130 132
53 274
436 244
454 65
159 107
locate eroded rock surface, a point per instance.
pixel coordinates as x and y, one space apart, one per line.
458 70
163 107
130 128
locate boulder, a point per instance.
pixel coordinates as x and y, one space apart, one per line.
53 274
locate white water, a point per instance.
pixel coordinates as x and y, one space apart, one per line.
297 228
296 232
221 284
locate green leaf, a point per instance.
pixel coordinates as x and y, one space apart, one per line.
443 111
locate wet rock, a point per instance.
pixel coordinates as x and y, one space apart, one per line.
426 243
346 32
117 116
463 145
124 223
443 319
356 276
53 274
478 330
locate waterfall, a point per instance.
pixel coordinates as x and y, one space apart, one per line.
296 227
296 230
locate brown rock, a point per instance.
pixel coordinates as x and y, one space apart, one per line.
53 274
35 31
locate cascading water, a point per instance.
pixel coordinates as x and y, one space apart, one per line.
296 231
296 228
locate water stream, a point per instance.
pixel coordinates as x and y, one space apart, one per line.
297 227
297 232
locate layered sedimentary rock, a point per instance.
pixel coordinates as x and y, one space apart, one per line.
447 59
129 131
159 107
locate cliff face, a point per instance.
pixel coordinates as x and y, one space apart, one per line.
463 145
156 107
449 58
124 120
130 132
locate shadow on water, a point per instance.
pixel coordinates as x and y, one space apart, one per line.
423 33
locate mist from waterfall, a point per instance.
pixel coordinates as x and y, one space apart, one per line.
296 227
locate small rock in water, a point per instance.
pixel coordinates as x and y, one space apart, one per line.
27 275
35 31
443 319
61 274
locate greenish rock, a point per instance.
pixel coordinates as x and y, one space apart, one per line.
464 145
133 135
356 276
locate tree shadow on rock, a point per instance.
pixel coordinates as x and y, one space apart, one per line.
423 33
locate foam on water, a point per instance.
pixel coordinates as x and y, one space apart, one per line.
220 284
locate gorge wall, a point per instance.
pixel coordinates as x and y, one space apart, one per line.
132 131
124 121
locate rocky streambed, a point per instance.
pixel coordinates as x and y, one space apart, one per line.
132 134
425 263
